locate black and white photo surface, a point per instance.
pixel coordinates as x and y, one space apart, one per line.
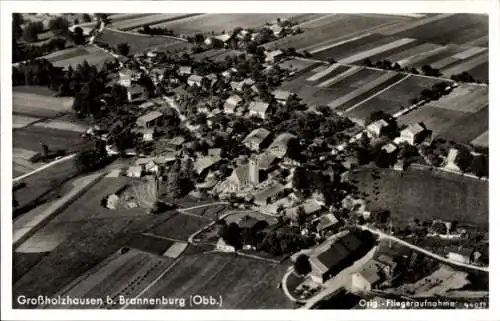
249 160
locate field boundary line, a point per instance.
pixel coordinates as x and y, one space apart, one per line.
145 35
57 161
340 43
158 278
376 94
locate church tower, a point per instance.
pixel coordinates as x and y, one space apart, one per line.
253 168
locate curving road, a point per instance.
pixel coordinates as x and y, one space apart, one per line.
422 250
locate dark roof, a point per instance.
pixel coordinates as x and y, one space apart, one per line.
334 255
248 222
350 241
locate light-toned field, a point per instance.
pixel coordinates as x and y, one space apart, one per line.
62 125
218 23
377 50
39 105
465 98
129 24
466 65
242 283
481 140
20 121
21 161
75 56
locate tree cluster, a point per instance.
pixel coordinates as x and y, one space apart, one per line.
156 31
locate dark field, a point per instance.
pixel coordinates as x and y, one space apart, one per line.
31 137
391 100
180 226
242 283
424 195
458 29
140 43
480 72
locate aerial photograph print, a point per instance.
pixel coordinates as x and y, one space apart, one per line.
250 161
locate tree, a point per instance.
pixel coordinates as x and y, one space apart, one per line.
31 31
17 22
479 166
59 25
92 158
300 179
123 49
199 39
232 235
464 158
78 36
381 216
302 265
301 216
86 17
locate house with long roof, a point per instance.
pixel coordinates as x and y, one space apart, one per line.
232 103
257 139
259 108
413 134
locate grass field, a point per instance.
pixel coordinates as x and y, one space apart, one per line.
189 223
391 100
331 29
37 105
140 43
424 195
206 23
456 28
43 181
75 56
481 140
242 283
129 24
464 98
468 127
30 138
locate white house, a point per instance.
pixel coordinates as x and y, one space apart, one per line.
136 93
376 128
259 109
462 255
273 56
367 278
149 119
222 246
412 134
134 171
185 70
282 96
231 104
194 80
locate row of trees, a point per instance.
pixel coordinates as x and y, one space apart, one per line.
156 31
467 162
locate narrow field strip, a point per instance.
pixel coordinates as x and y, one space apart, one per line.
422 56
351 71
469 53
445 62
377 50
323 73
352 95
376 94
412 52
130 24
340 43
62 125
25 163
480 42
126 16
466 65
21 121
414 24
306 23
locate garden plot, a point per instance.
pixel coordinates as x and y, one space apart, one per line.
241 282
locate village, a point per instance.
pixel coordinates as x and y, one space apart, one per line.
229 132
